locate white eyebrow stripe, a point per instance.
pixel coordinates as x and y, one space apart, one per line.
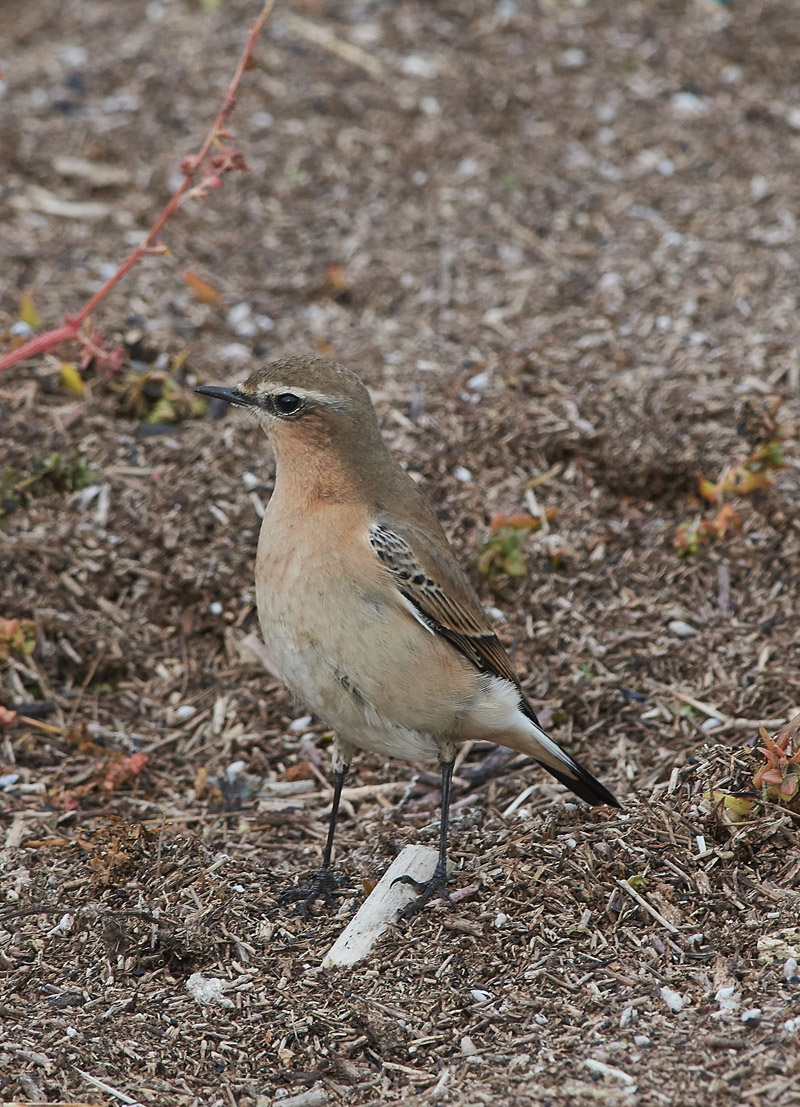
306 394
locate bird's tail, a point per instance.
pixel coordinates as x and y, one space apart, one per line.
540 746
582 783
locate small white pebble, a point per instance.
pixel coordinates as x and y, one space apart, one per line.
265 322
641 1040
687 104
415 65
701 843
612 291
681 629
480 381
468 167
234 770
540 1019
21 329
674 1000
793 118
672 238
627 1017
791 1026
790 969
759 187
208 989
709 724
500 919
250 481
8 780
573 59
727 998
468 1047
479 995
215 608
461 474
419 178
511 255
238 313
301 724
185 711
72 55
122 102
234 351
506 9
752 1016
65 923
71 1032
262 119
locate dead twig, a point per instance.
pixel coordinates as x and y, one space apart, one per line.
221 163
647 906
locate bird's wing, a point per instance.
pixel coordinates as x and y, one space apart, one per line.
438 594
428 577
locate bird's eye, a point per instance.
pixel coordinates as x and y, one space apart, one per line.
286 403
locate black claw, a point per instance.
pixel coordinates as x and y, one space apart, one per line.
427 889
325 884
417 885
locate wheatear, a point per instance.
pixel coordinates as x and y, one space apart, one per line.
364 609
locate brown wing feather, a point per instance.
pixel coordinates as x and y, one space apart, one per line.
451 608
432 580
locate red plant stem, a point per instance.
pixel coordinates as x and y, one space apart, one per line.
48 341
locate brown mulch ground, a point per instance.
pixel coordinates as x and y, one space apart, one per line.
568 269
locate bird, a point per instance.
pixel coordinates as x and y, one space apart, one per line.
366 613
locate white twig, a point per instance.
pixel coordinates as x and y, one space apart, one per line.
103 1087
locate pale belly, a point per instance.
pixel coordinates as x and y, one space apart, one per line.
350 652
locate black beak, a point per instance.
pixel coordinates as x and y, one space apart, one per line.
229 395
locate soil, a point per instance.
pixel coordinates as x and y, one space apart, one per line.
559 242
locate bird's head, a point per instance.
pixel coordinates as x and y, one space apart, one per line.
303 397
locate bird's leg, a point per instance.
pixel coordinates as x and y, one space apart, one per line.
428 889
324 883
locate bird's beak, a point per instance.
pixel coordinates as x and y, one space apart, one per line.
229 395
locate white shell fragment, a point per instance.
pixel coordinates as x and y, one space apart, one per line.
381 907
208 989
674 1000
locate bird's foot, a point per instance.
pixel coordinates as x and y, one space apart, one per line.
427 889
324 884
